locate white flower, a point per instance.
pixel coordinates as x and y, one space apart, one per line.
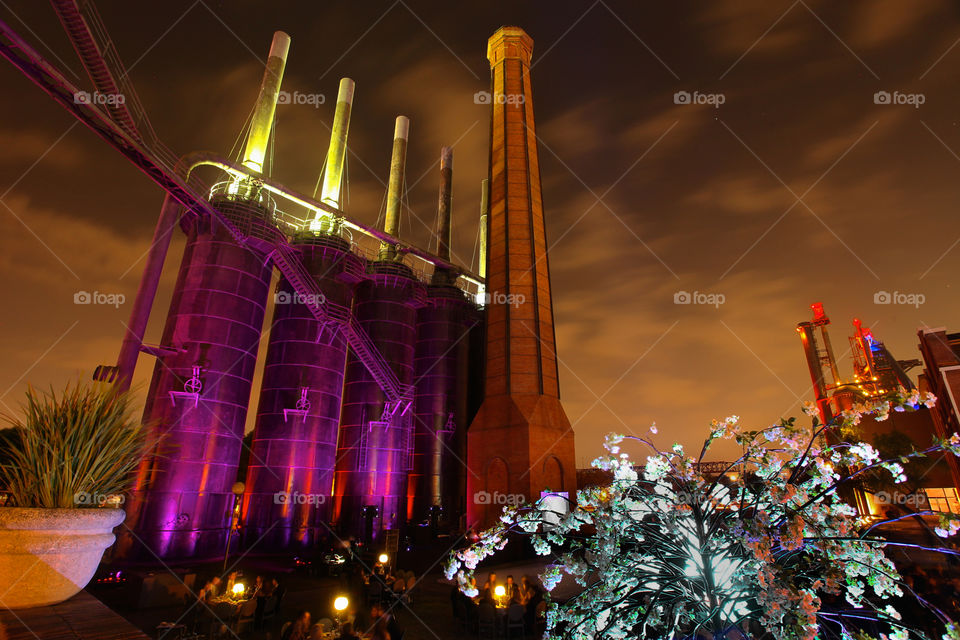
865 452
470 558
657 467
551 577
952 527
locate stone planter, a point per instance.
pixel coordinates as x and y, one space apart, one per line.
49 555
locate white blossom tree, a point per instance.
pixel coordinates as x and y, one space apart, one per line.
767 548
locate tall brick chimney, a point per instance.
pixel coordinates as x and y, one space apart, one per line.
520 442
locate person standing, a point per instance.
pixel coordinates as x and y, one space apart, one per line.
488 587
509 588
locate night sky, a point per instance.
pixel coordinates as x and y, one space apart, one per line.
798 188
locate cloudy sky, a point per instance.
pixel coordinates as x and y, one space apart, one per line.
783 180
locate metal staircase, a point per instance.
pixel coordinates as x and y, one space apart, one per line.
288 262
90 40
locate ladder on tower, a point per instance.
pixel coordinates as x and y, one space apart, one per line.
409 434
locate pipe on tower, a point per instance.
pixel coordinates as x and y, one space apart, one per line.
261 123
146 292
337 151
443 205
810 349
398 160
484 210
482 266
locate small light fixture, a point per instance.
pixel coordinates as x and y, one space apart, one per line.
238 588
383 558
499 591
340 603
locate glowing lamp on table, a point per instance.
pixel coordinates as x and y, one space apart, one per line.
340 603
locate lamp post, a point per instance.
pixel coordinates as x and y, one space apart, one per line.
340 603
237 489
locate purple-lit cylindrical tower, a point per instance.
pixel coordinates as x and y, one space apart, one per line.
437 480
290 477
374 454
182 502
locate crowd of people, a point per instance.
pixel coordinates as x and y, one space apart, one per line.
372 599
521 603
379 624
219 605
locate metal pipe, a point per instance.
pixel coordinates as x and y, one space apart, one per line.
146 292
333 173
828 348
811 351
484 210
398 160
211 159
262 121
443 206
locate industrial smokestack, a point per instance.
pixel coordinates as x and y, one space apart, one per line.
812 351
443 206
398 160
333 173
484 209
256 148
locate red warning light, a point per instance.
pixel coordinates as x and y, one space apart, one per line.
818 312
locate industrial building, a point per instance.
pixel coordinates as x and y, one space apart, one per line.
380 355
398 388
877 375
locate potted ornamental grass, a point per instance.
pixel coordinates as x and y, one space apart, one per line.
64 470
